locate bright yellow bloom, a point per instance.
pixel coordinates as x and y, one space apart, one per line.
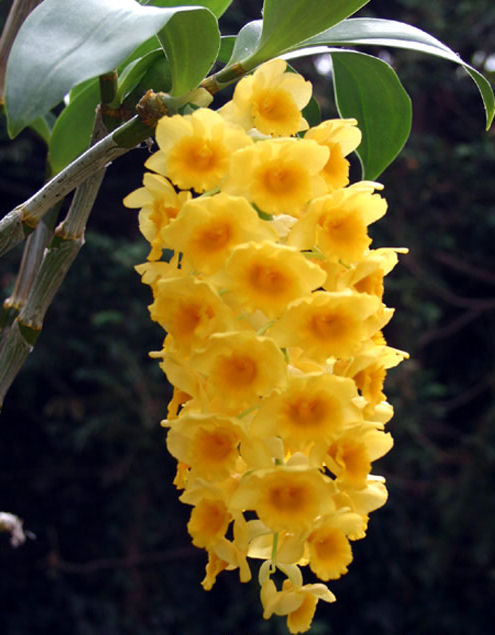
208 443
367 276
297 602
289 549
279 176
209 227
152 272
286 498
195 149
159 203
365 500
326 324
312 409
190 310
272 307
330 552
238 368
337 223
208 522
368 369
341 137
270 100
350 456
267 276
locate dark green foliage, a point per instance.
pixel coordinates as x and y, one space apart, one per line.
82 456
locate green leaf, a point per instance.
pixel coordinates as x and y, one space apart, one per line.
64 42
191 41
79 89
43 127
217 7
152 44
368 89
288 22
157 77
378 32
72 131
227 43
312 113
246 41
133 73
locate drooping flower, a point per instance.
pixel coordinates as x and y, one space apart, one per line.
313 409
349 458
208 443
341 137
238 367
326 324
190 310
297 602
270 100
195 149
159 203
278 176
337 223
208 522
267 276
330 552
286 498
208 228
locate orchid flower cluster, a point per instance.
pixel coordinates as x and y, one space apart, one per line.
273 312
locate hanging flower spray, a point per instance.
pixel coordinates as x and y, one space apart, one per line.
273 312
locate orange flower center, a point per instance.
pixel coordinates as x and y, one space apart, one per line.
162 214
372 284
274 106
202 156
287 497
189 316
281 180
328 326
216 445
306 412
239 371
267 279
216 236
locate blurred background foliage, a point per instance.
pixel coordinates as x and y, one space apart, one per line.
82 455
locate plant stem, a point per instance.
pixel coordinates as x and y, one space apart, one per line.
17 342
14 348
45 279
223 78
23 219
32 257
18 223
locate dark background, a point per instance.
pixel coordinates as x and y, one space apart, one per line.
82 455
